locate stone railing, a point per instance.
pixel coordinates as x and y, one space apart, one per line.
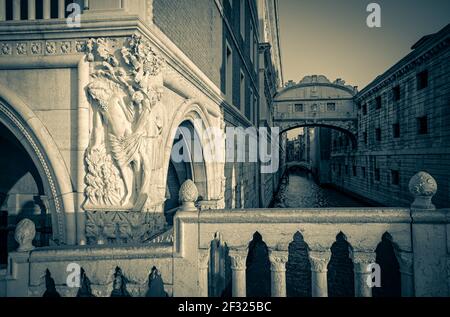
419 235
29 12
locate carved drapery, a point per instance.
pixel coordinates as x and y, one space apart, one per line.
125 94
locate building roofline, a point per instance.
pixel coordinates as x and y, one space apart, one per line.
421 47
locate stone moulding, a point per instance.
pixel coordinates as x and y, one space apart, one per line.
336 215
122 226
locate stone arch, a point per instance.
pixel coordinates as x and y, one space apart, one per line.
258 268
298 268
340 269
390 268
194 113
347 130
43 151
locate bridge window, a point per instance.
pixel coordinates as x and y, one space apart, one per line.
378 134
422 125
331 106
395 177
396 92
422 80
354 171
364 109
365 137
396 130
378 102
298 107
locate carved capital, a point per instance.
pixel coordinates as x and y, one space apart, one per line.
238 259
203 258
278 260
362 260
319 260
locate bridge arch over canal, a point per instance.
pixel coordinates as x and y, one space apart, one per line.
317 102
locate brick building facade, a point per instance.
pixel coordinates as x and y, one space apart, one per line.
403 127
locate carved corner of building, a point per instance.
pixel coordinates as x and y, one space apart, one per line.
125 93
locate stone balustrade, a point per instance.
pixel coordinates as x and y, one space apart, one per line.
30 10
419 237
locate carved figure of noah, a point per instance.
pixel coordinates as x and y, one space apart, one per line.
126 135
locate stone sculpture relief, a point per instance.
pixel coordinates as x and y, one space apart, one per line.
125 95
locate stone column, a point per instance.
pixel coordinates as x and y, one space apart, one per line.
16 10
238 266
61 9
362 272
278 260
46 10
319 262
405 261
203 265
2 10
31 9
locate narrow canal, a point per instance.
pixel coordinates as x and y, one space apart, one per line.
299 190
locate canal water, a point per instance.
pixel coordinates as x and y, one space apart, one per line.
298 189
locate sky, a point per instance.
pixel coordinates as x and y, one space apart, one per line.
331 37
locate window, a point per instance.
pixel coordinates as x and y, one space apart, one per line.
395 177
242 16
363 172
255 109
242 92
354 171
396 93
252 44
378 102
249 108
331 106
396 130
378 134
422 80
364 107
298 107
422 125
365 137
229 75
377 174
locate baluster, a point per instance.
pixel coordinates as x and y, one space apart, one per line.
238 266
31 9
61 9
2 10
203 265
46 9
16 10
319 268
362 272
278 260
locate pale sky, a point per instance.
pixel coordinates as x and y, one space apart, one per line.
331 38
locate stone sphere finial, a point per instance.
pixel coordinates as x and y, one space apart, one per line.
188 195
24 235
423 187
